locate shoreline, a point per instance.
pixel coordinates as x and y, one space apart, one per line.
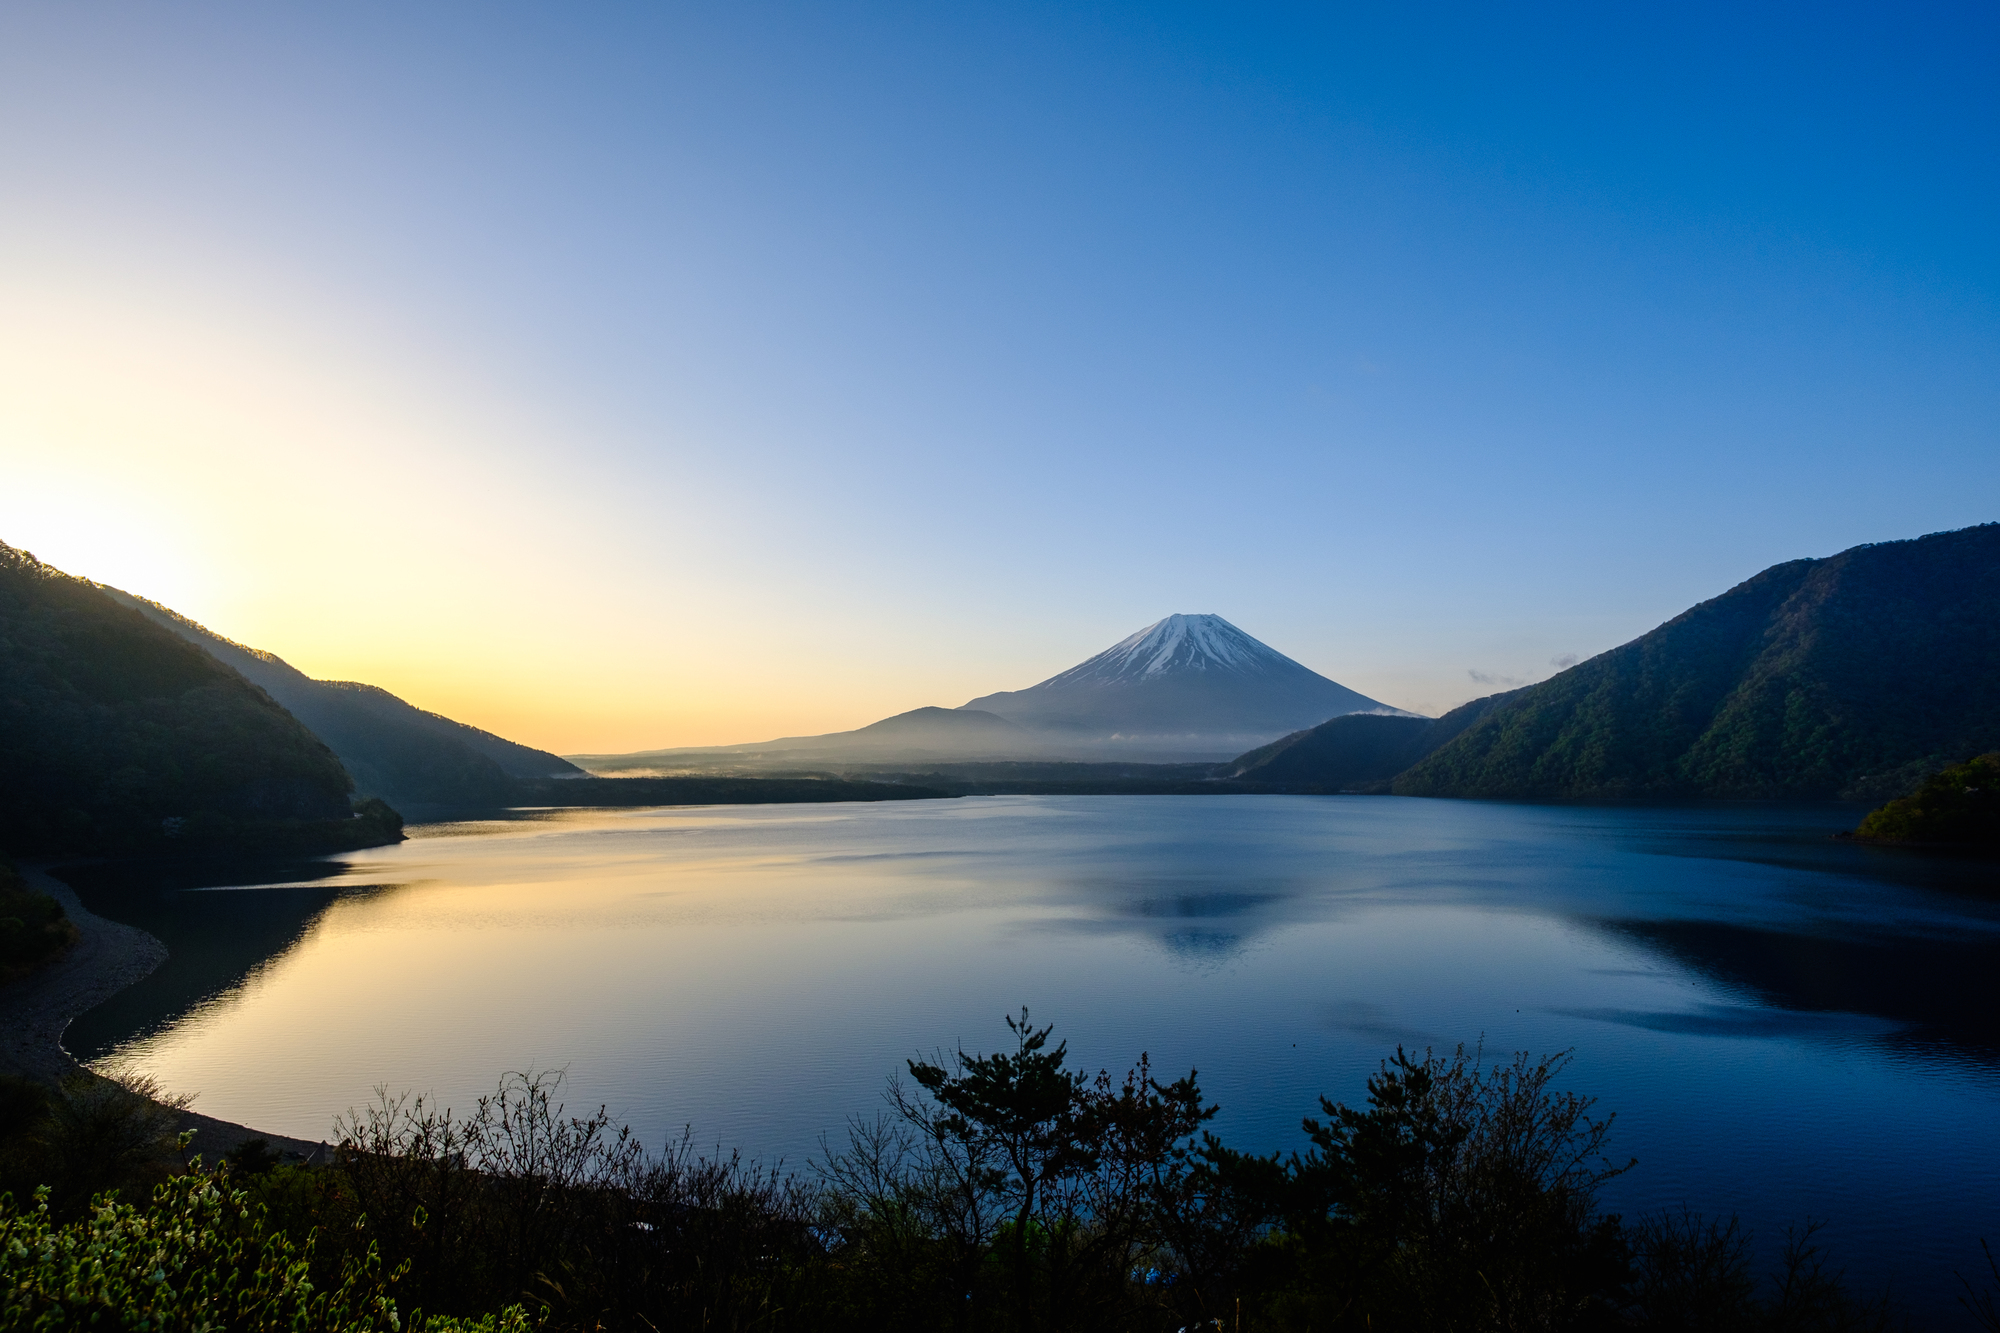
107 957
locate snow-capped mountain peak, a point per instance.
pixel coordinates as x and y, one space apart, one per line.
1176 645
1187 686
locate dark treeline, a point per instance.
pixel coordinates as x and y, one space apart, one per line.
1959 804
996 1192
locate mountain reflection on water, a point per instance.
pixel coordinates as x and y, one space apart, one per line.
216 939
1769 1010
1917 990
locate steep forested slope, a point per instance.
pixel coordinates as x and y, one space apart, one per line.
393 749
1849 676
1350 751
110 726
1354 752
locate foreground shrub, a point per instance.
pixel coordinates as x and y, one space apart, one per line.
1460 1198
522 1200
85 1135
199 1258
1694 1272
1004 1191
1011 1189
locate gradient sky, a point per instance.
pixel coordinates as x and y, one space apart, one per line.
623 376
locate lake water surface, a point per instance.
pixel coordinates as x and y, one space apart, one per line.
1786 1025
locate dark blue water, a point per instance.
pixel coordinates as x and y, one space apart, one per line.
1787 1026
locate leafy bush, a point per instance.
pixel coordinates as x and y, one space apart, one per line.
1958 804
201 1258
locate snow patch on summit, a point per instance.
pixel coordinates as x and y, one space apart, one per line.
1188 687
1180 643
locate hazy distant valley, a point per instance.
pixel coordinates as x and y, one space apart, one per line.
1189 689
1850 677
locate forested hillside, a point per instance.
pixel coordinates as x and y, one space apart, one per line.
1350 751
1852 676
115 734
392 748
1353 752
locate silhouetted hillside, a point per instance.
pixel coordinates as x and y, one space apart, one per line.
393 749
1851 676
1345 752
115 734
1354 752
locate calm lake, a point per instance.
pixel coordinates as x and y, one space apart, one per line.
1786 1025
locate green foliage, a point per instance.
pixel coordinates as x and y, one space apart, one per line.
200 1257
1957 804
115 735
1816 678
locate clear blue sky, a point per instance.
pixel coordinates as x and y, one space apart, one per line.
617 376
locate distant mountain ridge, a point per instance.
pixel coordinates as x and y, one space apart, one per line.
919 736
1188 688
393 749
